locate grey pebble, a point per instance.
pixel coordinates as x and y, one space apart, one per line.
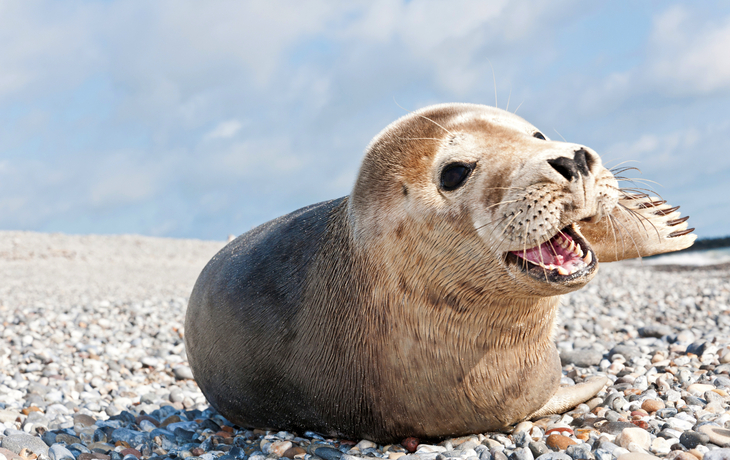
15 442
538 448
328 453
584 357
521 453
692 439
59 452
717 454
182 373
627 351
554 456
655 330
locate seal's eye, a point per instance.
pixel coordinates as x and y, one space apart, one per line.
454 175
539 135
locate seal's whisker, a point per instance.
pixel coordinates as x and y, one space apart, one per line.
509 96
619 164
638 251
494 77
617 170
641 219
613 231
561 136
518 107
422 116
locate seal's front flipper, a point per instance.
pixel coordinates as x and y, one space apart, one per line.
638 226
568 397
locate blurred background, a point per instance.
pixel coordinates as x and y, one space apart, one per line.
204 119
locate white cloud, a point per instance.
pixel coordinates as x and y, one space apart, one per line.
689 53
225 130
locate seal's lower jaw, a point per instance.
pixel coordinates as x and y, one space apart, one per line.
565 260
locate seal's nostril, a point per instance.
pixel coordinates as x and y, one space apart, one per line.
582 163
565 166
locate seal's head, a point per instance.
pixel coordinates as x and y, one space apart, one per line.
483 185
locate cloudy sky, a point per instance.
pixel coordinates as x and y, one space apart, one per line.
204 119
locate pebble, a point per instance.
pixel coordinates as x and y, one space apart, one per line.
717 454
716 435
692 439
558 441
640 437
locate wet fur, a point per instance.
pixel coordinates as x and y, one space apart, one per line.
391 312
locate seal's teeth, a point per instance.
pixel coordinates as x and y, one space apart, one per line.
564 243
588 258
579 251
572 246
563 271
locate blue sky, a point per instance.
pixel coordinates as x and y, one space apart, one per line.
204 119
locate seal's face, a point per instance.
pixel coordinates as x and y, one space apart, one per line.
522 194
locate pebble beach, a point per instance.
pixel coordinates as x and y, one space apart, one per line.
93 364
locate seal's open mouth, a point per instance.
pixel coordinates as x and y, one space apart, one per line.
564 257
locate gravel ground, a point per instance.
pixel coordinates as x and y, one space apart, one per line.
92 365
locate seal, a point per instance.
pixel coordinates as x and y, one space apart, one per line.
423 304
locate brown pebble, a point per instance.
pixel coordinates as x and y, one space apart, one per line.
559 442
227 428
293 452
28 410
149 419
639 413
685 456
224 434
121 444
9 454
134 452
410 444
197 451
641 424
171 419
696 453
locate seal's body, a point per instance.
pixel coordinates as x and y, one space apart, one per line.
422 304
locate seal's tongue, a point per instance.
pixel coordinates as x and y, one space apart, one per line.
560 253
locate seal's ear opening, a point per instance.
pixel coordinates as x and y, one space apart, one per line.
454 175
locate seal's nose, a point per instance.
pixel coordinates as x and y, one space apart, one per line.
582 163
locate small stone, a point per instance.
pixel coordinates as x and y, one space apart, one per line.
662 446
410 444
692 439
554 455
652 405
655 330
627 351
521 453
615 428
538 448
717 454
580 452
278 448
84 420
699 389
717 435
584 357
559 442
59 452
182 373
681 456
636 435
328 453
294 451
636 456
16 442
